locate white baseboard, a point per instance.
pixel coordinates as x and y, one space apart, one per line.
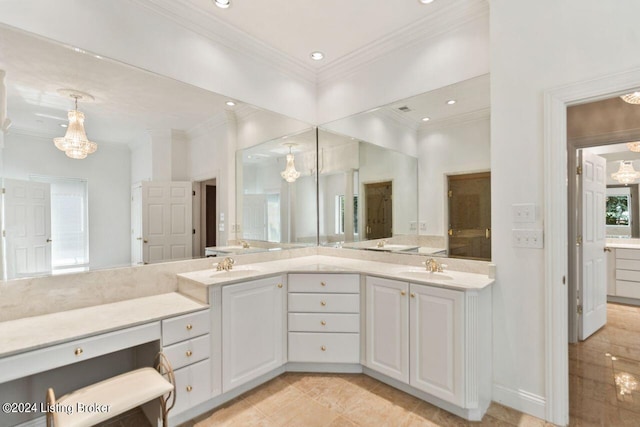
520 400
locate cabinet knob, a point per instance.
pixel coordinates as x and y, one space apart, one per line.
322 322
323 303
279 285
413 295
189 353
189 327
79 351
189 388
403 293
323 284
323 348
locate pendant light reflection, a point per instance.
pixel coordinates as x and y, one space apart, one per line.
626 174
290 174
75 143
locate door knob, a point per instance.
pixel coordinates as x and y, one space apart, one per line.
49 240
606 249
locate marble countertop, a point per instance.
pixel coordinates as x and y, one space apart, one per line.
329 264
623 245
31 333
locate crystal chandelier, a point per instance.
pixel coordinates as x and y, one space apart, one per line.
634 146
290 174
626 174
75 143
631 98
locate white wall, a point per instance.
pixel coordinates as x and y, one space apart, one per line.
108 174
444 149
261 126
134 34
141 169
537 46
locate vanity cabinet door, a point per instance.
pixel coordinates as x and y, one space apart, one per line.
253 330
387 340
437 342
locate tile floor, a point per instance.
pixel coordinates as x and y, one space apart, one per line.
308 400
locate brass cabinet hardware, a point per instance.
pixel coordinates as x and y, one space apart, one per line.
279 285
189 353
413 295
450 232
606 249
79 351
189 327
189 388
323 303
323 284
323 348
145 241
322 322
403 293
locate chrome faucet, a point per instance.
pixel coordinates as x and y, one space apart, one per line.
244 243
226 264
381 243
433 265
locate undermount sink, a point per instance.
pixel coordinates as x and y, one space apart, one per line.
425 275
233 273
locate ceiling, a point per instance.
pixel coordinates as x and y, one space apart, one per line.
334 27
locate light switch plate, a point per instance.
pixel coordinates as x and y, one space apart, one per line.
528 238
221 226
413 226
423 226
524 212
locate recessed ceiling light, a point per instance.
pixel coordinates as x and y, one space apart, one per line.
426 119
63 125
425 1
317 55
223 4
230 103
451 101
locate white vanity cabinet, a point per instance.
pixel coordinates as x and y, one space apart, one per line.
627 284
324 319
436 340
186 343
253 329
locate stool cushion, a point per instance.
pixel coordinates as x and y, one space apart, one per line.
106 399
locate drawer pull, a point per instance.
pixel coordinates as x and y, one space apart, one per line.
279 285
189 327
323 284
189 388
403 293
189 353
323 348
322 322
323 303
413 295
79 351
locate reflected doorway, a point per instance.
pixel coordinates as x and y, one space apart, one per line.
378 220
469 231
205 211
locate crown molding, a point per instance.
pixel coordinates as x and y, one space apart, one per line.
458 120
454 16
206 24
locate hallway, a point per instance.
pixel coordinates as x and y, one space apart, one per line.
611 355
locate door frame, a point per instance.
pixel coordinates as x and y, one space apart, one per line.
363 203
555 177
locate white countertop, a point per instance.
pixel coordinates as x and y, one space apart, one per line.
328 264
31 333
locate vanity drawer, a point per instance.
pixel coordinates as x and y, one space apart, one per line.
193 386
627 264
628 254
324 348
627 289
325 303
184 327
320 322
25 364
330 283
628 275
188 352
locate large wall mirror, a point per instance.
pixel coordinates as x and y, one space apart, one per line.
161 185
412 176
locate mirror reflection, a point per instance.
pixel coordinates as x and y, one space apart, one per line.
446 132
276 199
160 185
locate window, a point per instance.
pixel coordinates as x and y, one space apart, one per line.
618 210
69 223
339 215
273 217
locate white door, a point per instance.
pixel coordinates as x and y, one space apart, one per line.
387 334
253 330
254 221
436 325
27 227
592 270
166 221
136 225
